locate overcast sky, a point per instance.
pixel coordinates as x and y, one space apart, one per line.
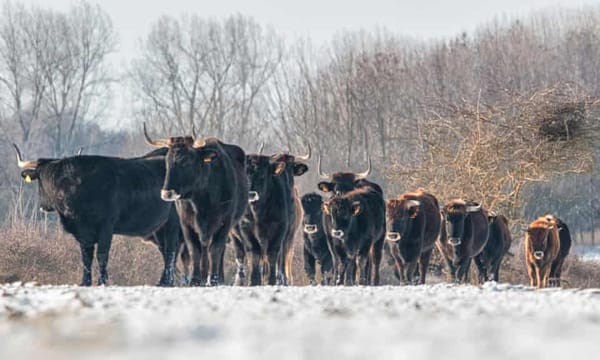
318 19
321 19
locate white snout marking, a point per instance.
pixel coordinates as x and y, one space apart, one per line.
310 228
454 241
338 234
253 196
392 236
539 255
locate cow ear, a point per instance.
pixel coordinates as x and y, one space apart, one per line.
325 186
356 208
208 157
300 169
279 168
29 175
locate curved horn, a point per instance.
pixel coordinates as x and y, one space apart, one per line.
156 143
474 208
198 141
322 175
363 175
194 135
29 164
261 148
412 203
307 156
80 151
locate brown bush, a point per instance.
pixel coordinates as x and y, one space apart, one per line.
53 257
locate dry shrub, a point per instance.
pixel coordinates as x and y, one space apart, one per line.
53 257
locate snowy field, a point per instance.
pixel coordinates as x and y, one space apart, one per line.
442 321
588 252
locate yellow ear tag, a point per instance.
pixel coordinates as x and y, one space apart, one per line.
27 179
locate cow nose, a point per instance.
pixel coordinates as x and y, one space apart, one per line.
253 196
169 195
454 241
310 228
392 236
539 255
338 234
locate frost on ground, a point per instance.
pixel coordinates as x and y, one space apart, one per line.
494 321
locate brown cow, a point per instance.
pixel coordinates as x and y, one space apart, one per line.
565 245
465 231
413 226
497 246
542 247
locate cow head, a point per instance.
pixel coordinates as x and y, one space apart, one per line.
455 214
312 205
189 163
33 170
341 182
538 234
343 213
262 171
401 214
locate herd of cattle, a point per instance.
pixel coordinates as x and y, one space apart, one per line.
191 196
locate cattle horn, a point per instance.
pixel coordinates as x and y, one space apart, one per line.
474 208
80 151
322 175
198 141
363 175
261 148
29 164
156 143
307 156
412 203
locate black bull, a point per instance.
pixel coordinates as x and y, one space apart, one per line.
465 231
208 180
315 246
267 229
341 183
97 196
413 227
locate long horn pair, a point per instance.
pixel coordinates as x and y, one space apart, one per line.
361 175
198 141
29 164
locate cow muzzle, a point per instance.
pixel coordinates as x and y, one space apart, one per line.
454 241
392 236
310 228
538 255
169 195
338 234
253 196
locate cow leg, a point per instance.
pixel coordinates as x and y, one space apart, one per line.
326 269
532 274
424 265
555 272
194 247
87 256
102 253
462 271
309 265
545 273
272 259
376 255
168 237
410 269
216 252
240 261
255 268
350 271
364 268
186 261
481 268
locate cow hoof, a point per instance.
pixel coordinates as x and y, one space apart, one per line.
86 283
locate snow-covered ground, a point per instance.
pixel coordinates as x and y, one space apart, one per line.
441 321
588 252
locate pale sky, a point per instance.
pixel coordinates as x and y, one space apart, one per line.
321 19
318 19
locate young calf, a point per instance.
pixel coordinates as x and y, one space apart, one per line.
315 241
542 248
413 226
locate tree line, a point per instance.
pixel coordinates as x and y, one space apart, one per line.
505 115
